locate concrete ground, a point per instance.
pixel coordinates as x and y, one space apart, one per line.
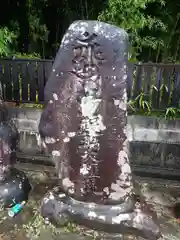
29 225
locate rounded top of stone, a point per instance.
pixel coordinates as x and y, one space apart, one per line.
85 28
97 26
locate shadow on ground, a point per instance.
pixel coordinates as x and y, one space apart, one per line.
29 225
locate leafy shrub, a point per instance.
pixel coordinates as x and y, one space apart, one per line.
7 39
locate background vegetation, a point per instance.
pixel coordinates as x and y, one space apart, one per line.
35 28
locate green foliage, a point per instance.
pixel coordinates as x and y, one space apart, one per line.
131 16
37 30
153 25
7 38
171 113
140 106
140 103
27 56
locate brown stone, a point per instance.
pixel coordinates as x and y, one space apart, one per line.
84 127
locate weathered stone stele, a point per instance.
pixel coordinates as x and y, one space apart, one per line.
84 128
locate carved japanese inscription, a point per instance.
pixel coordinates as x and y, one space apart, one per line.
92 100
86 62
84 127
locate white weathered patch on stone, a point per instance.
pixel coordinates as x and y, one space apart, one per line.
5 190
67 183
124 178
46 200
66 139
56 153
84 170
120 218
115 208
71 190
89 106
91 125
100 28
55 96
122 105
97 27
116 102
125 96
91 205
138 219
106 190
114 186
38 137
43 144
46 221
122 158
66 41
118 193
49 140
125 131
62 195
82 190
126 168
102 217
51 196
79 26
92 214
125 77
72 211
94 78
71 134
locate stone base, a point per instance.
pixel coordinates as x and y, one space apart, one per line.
14 188
58 208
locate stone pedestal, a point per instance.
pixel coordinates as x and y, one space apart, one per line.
14 186
84 126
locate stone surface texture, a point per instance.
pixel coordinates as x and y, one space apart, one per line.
8 140
84 122
14 186
153 142
84 127
29 225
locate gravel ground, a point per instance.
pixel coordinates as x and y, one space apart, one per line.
28 225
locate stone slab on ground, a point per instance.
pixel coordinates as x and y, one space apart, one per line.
28 225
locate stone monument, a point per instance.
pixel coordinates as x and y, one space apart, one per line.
84 125
14 186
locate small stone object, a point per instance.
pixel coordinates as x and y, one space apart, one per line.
85 117
14 186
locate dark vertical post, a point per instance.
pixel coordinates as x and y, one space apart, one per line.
84 126
14 186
